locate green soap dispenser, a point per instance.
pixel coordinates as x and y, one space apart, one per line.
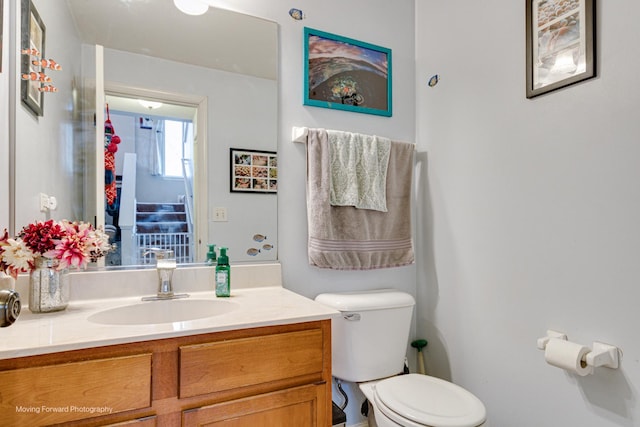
211 256
223 275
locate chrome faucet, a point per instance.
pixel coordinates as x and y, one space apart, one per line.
165 264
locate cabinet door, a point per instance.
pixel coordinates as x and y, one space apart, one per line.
295 407
66 392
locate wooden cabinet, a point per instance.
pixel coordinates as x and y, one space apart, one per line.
294 407
270 376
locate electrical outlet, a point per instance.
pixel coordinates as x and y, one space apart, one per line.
47 203
220 214
53 203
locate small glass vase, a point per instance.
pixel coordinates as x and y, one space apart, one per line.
48 287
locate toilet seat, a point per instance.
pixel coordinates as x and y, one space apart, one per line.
416 400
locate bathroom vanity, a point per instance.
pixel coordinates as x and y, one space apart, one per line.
265 362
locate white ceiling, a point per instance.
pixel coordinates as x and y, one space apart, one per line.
166 110
219 39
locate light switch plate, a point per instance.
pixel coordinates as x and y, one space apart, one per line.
220 214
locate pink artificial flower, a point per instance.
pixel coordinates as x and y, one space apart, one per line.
73 249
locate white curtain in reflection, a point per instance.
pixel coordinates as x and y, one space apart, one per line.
185 133
156 149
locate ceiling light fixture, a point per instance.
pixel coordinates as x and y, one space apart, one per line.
151 105
191 7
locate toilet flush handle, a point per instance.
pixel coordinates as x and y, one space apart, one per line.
351 316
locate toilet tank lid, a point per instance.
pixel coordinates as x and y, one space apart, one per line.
366 300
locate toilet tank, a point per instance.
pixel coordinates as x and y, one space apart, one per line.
369 340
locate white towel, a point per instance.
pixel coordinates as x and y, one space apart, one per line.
358 170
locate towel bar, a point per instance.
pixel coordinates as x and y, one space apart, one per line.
299 134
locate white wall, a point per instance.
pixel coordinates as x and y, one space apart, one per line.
49 139
378 22
381 22
530 214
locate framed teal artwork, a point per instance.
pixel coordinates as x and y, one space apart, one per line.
346 74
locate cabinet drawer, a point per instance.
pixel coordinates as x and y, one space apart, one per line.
73 391
226 365
295 407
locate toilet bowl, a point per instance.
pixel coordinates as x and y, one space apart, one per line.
416 400
369 343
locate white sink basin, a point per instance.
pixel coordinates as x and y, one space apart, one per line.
162 311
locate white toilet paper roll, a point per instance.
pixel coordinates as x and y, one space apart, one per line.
568 356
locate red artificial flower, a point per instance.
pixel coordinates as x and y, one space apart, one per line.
42 236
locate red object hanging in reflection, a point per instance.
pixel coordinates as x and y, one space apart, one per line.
111 141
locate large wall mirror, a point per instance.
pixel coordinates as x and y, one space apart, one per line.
183 94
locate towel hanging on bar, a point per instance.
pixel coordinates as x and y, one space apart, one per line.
347 238
358 170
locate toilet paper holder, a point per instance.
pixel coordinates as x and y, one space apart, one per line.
601 354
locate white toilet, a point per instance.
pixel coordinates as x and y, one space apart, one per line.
369 342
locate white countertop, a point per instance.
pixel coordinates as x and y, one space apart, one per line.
43 333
